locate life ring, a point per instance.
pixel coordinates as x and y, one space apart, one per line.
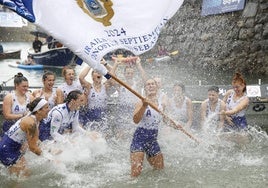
258 107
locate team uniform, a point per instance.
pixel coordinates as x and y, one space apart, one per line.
145 136
51 99
16 108
213 116
239 119
60 120
124 111
179 114
95 111
66 89
11 144
126 100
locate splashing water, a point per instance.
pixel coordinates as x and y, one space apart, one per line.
215 162
100 163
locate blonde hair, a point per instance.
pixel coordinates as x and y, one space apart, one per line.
238 78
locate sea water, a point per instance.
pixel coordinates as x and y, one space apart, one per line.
213 163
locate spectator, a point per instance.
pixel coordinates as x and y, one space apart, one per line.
37 44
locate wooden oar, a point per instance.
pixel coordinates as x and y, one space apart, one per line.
174 52
124 59
169 54
3 84
176 126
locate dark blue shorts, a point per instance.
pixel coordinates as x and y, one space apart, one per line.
7 124
240 123
44 131
145 140
89 115
9 151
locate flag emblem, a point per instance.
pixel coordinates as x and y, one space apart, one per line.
99 10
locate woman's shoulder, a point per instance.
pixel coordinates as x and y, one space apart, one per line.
228 92
188 100
8 97
37 91
27 122
205 102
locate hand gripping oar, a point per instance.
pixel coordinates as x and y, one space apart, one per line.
176 126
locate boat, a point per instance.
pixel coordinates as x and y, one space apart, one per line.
9 54
21 66
58 56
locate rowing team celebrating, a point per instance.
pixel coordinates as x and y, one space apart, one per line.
80 106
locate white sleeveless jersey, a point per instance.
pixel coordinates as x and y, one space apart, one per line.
210 113
97 99
126 97
66 89
151 118
231 104
179 113
18 108
51 100
161 94
15 133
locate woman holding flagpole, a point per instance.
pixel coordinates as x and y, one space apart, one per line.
144 141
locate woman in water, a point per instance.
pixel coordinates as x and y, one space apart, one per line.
236 104
48 92
93 115
180 106
14 103
210 109
70 84
23 132
145 136
63 118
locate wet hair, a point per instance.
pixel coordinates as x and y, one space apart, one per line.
214 88
94 71
181 85
239 78
73 95
33 104
18 78
128 67
150 78
46 74
64 70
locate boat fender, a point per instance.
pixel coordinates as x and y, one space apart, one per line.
259 107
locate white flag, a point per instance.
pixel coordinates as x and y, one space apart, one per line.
92 28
